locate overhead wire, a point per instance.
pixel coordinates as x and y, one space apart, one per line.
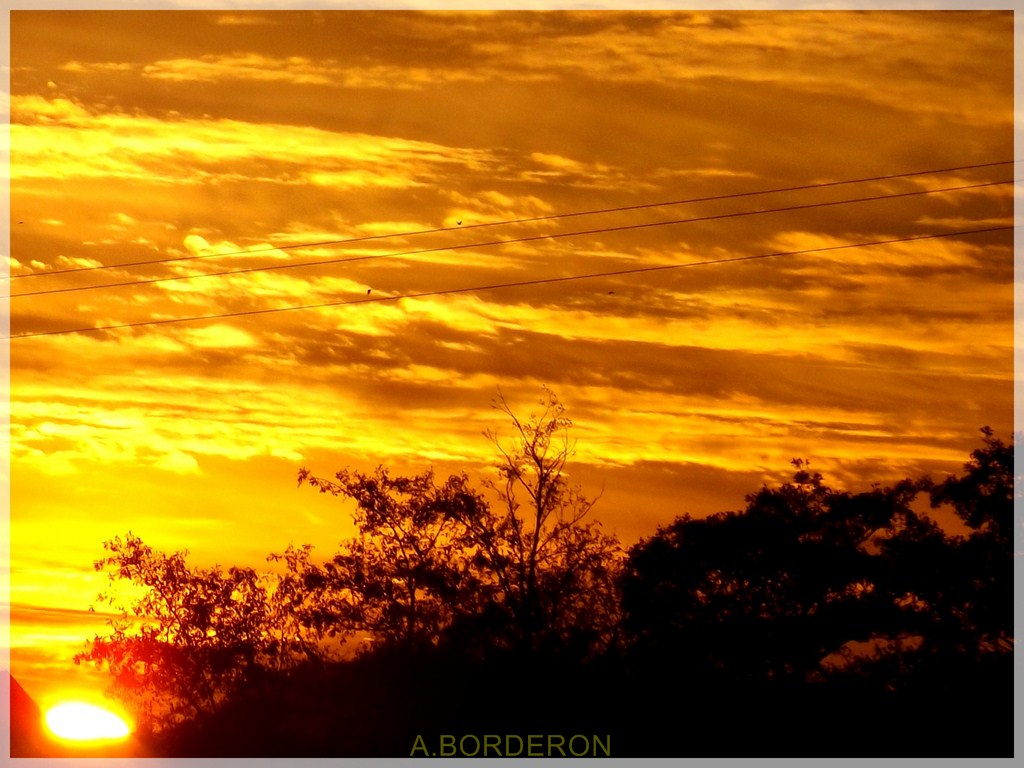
508 222
509 241
509 284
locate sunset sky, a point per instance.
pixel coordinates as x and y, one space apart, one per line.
172 137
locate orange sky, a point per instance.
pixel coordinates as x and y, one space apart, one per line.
142 136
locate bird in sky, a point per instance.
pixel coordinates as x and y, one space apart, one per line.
459 222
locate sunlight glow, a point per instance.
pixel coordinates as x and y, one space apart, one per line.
76 721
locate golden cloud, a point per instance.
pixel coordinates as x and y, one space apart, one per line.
61 139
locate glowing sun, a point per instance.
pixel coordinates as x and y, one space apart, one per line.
76 721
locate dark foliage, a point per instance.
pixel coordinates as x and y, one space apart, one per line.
814 622
813 607
771 592
440 565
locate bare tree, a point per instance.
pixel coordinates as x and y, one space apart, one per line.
553 573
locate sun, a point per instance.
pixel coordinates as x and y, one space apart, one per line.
77 721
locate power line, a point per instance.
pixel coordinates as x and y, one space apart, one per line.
512 284
525 239
527 220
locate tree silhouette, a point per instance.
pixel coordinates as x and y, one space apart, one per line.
812 607
438 562
770 592
400 580
983 499
191 638
510 609
434 566
807 583
551 573
959 589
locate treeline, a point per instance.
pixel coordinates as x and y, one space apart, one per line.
812 622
